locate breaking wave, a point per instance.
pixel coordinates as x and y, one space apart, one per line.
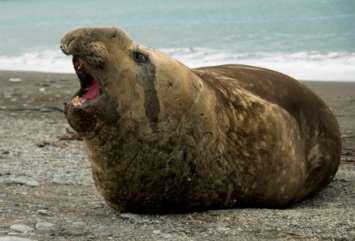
336 66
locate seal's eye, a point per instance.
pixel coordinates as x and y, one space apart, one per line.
139 57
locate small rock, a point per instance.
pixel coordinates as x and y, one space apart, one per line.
59 144
79 223
5 174
352 235
13 238
129 216
15 80
167 236
135 218
44 226
12 233
22 180
43 144
222 229
76 229
156 231
21 228
42 89
43 212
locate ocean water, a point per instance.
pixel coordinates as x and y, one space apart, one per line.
307 39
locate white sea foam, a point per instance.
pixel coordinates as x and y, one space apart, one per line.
46 60
301 65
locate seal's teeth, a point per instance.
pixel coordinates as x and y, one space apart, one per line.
76 101
81 66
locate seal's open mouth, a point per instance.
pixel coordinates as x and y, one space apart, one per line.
89 85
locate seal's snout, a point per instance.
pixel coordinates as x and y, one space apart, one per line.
64 47
67 41
76 41
87 43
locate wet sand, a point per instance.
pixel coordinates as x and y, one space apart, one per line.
45 179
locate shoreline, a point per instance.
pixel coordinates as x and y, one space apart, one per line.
23 72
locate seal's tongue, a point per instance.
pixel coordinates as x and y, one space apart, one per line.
92 91
89 93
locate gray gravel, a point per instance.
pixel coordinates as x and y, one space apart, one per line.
14 238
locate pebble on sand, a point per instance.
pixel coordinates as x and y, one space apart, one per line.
13 238
21 228
44 226
15 80
22 180
43 212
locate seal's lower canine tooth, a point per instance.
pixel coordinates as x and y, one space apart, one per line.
81 65
76 101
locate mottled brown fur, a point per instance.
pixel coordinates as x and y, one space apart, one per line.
175 139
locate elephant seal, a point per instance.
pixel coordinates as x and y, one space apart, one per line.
165 138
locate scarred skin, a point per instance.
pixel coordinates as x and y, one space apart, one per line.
165 138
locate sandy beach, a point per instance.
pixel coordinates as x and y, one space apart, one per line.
47 192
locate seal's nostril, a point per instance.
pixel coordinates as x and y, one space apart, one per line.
66 43
62 47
